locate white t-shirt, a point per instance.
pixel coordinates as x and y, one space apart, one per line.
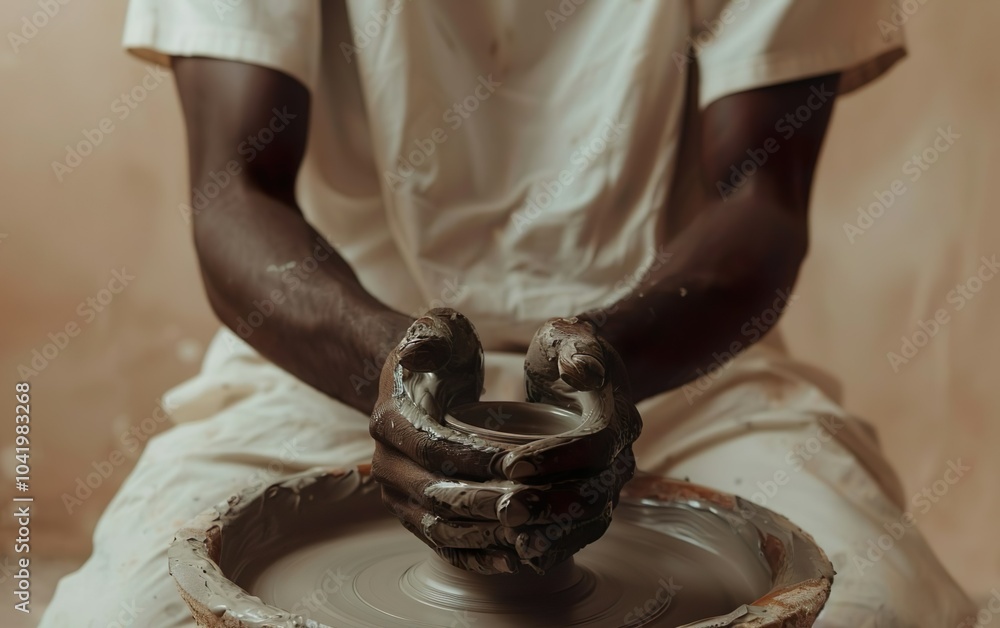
510 159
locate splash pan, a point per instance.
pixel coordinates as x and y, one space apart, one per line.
318 550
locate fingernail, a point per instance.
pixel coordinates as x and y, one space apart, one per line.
505 564
582 372
424 354
512 512
521 469
526 549
509 535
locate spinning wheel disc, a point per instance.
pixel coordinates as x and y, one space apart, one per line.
388 578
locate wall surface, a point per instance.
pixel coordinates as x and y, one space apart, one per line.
862 294
64 235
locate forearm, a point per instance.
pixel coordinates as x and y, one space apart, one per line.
712 297
272 279
730 270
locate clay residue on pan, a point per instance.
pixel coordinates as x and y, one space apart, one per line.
197 551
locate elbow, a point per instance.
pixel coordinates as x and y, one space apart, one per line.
771 264
212 230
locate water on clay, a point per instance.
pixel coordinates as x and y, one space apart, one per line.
656 566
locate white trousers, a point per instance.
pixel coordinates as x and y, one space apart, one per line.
763 427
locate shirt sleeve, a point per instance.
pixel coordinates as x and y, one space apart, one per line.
280 34
747 44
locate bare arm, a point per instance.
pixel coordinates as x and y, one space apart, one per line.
728 266
254 245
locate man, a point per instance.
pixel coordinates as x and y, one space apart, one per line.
644 166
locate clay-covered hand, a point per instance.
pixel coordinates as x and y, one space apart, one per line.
489 506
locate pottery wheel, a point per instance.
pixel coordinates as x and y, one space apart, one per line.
383 576
318 550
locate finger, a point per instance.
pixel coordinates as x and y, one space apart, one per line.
401 424
574 500
442 338
509 503
564 356
569 365
545 546
561 368
438 364
444 496
578 499
581 453
409 415
441 532
487 560
451 366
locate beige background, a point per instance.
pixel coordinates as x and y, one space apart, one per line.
119 208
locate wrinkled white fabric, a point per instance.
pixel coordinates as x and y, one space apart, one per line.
774 439
511 159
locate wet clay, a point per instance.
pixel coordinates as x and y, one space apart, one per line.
318 550
512 421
